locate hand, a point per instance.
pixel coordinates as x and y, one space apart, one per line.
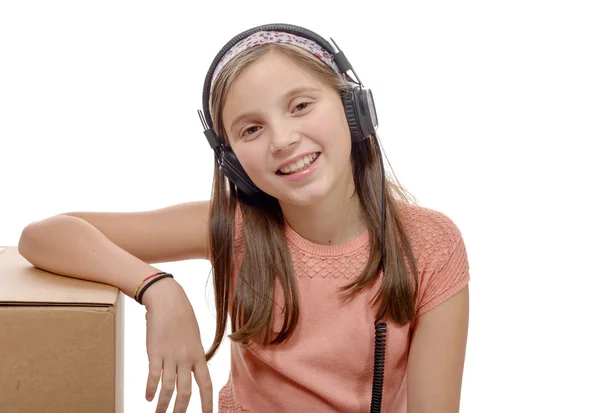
174 348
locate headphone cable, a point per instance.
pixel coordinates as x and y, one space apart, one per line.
380 327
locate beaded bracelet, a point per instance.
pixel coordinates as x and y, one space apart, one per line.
152 281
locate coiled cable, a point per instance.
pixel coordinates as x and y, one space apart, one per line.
380 327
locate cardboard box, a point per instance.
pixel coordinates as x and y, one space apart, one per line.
61 341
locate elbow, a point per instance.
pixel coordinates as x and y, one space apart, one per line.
27 241
36 236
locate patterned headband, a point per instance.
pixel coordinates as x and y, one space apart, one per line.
265 37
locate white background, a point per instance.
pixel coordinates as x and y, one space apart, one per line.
489 112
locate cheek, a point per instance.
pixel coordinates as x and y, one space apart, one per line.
331 126
251 158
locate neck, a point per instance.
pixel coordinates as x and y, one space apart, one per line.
335 220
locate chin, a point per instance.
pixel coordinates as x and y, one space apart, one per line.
305 195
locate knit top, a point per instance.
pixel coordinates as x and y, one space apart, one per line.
327 364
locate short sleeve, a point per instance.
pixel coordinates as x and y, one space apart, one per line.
446 268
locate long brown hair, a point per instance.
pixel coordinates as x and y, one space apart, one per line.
266 255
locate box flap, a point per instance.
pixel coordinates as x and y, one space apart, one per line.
21 283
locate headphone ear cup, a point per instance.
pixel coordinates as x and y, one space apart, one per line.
233 170
350 109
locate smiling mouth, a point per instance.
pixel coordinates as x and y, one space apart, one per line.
298 166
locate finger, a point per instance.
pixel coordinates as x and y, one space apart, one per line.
184 389
167 386
202 376
154 371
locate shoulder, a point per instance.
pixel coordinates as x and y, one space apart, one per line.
431 232
439 249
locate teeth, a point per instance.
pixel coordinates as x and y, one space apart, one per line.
299 164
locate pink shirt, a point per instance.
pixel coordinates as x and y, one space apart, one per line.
327 364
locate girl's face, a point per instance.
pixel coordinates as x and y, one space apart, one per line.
288 130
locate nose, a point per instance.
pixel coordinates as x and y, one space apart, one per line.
284 137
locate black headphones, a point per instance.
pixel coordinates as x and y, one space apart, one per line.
358 105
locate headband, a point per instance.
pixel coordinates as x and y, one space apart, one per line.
264 37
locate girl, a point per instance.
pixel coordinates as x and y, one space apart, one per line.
304 262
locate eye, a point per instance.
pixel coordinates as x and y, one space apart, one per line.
251 130
302 105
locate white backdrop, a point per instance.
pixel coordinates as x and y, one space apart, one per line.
489 112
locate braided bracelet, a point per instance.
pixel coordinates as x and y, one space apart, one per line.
152 281
143 281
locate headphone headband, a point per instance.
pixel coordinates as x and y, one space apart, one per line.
339 57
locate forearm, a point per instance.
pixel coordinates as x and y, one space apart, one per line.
72 247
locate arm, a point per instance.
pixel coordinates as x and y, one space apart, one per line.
437 355
116 248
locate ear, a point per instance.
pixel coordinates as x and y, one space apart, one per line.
233 170
349 108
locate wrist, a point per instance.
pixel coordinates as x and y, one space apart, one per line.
157 291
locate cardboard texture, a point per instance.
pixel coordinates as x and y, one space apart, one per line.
61 341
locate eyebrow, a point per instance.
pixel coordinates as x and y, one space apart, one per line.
289 94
